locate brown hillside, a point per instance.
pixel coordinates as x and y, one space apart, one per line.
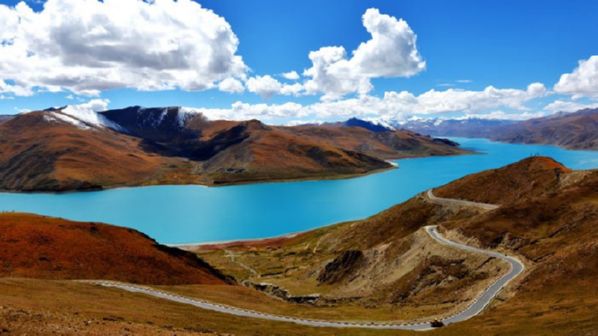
40 151
383 262
387 145
39 155
274 153
556 232
51 248
521 180
577 130
387 261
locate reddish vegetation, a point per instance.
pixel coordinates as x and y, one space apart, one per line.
521 180
52 248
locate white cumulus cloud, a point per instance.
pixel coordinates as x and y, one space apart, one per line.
86 46
267 86
568 106
231 85
395 106
291 75
245 111
582 82
391 52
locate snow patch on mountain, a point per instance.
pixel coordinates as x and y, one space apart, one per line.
86 116
161 117
59 117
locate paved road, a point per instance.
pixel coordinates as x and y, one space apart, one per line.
476 307
472 310
451 201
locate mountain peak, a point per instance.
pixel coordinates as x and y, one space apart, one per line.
520 180
369 125
150 122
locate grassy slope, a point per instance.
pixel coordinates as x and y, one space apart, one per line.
522 180
75 309
555 233
404 273
548 217
52 248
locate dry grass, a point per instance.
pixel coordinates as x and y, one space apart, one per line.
44 247
35 307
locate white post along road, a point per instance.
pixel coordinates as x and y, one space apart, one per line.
473 309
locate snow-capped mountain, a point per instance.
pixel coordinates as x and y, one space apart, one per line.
472 127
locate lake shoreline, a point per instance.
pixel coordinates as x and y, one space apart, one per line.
190 215
392 165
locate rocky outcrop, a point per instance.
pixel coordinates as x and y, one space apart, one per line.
342 267
281 293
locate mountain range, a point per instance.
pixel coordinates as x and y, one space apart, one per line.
577 130
61 149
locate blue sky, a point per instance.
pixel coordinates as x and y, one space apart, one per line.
466 45
503 43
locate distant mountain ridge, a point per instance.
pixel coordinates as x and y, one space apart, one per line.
470 128
355 122
5 117
69 149
577 130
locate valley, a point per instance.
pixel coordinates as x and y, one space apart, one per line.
298 168
197 214
387 267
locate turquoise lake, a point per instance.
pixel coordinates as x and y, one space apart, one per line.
189 214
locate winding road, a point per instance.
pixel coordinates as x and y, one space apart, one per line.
473 309
458 202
